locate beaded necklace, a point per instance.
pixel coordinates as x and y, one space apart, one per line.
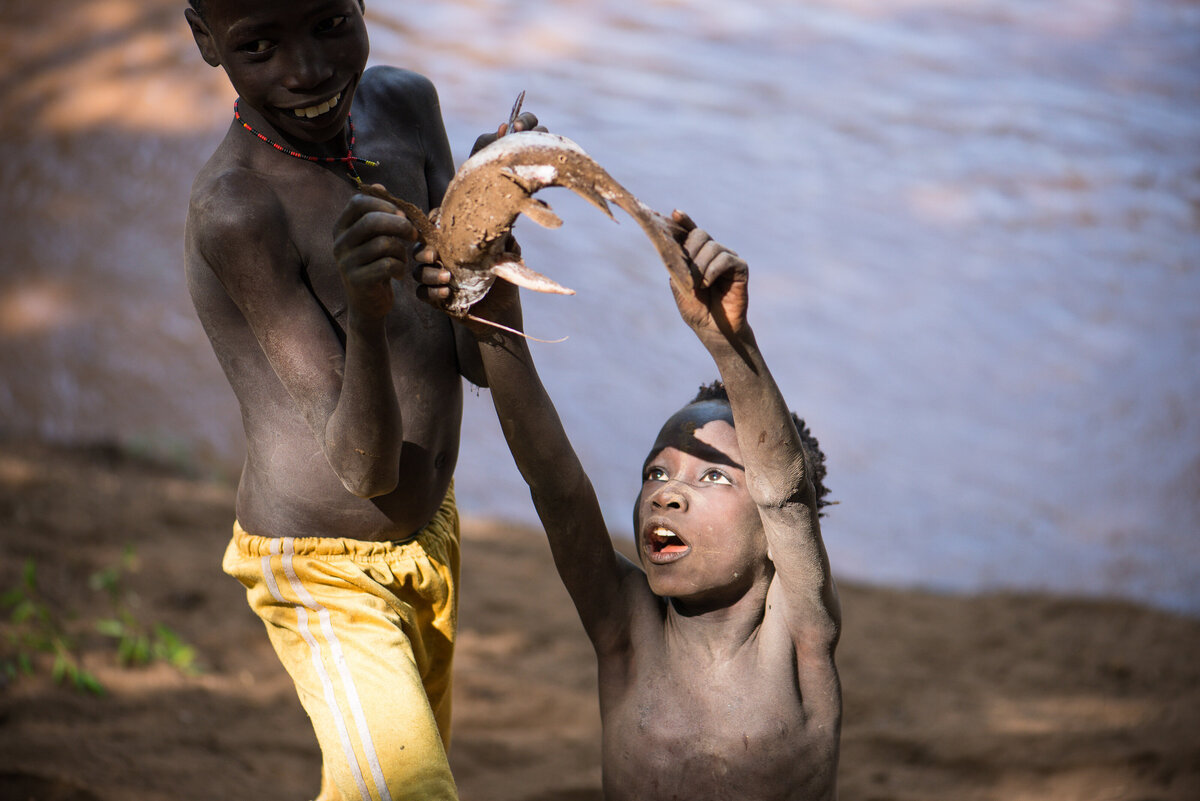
348 159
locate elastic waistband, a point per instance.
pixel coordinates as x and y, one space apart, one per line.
444 524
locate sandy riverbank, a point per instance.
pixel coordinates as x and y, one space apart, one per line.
1002 697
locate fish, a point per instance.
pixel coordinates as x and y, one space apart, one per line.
471 227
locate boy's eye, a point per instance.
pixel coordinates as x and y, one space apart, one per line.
324 26
715 477
656 474
257 47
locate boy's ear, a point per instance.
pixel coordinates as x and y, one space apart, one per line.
203 37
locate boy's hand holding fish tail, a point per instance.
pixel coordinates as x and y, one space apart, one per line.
715 307
715 303
372 240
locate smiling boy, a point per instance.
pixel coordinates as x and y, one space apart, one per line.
716 656
346 533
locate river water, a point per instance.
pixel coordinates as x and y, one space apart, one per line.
973 231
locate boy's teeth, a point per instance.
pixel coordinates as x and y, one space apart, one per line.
316 111
663 532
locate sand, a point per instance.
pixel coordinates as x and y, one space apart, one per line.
1004 697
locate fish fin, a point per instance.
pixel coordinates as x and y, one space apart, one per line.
540 213
592 196
515 272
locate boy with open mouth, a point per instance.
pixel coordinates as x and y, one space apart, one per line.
716 655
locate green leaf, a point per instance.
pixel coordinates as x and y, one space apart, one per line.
29 574
183 658
142 650
89 683
25 610
110 627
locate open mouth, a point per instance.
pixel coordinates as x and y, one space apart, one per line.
309 112
663 545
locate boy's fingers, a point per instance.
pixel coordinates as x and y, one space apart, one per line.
426 255
482 141
374 249
726 263
359 204
391 227
683 220
431 275
710 262
714 260
378 270
695 243
433 292
528 121
399 268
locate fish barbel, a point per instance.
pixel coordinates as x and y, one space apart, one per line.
491 189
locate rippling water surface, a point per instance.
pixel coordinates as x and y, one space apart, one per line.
972 229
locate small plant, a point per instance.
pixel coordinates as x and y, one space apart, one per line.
137 642
37 628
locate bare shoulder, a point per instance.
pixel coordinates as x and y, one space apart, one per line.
232 211
633 625
398 93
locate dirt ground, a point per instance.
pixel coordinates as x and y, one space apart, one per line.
994 697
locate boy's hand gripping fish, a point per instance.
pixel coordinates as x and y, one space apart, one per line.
471 227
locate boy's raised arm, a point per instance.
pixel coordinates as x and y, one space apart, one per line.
562 493
714 303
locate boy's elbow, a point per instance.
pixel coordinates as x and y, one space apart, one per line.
367 489
827 619
819 634
370 483
782 488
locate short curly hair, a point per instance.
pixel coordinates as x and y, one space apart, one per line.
814 457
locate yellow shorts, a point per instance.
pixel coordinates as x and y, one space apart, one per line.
366 630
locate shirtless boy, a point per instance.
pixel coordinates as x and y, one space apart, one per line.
716 656
346 535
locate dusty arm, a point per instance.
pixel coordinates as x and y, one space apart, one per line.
562 493
714 305
238 231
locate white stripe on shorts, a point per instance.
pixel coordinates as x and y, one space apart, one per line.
315 649
348 686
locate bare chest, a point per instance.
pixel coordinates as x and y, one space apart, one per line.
313 236
735 730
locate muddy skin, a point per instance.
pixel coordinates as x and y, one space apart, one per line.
715 651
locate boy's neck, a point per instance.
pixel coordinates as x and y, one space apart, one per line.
342 159
716 629
334 147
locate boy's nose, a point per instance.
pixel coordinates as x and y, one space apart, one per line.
308 69
669 496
